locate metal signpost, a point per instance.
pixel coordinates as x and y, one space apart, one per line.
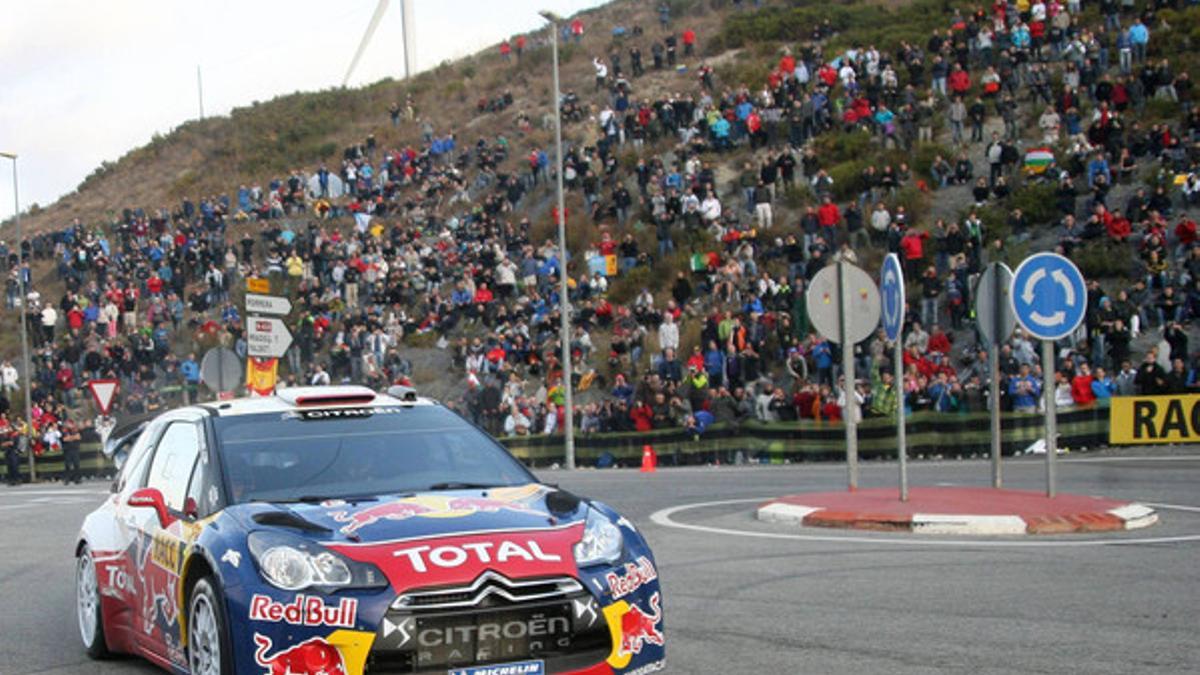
994 315
221 370
843 305
891 291
1049 297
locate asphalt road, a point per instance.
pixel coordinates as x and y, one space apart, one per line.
796 601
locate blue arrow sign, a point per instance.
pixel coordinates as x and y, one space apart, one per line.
1048 296
891 292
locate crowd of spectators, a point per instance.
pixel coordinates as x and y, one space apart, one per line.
434 238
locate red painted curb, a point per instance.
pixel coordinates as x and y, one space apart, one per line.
971 510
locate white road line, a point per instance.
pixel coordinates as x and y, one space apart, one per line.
1154 458
1174 507
1035 461
18 492
663 517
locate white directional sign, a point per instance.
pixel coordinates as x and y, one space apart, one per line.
267 338
268 304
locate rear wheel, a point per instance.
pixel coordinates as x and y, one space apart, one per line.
87 605
208 647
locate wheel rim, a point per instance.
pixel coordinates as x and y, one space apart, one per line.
87 602
204 645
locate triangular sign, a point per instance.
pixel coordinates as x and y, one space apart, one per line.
103 393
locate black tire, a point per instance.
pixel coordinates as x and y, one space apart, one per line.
88 612
208 646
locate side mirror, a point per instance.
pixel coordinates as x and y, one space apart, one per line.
191 510
152 498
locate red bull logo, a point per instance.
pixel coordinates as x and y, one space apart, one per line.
304 610
311 657
639 627
423 507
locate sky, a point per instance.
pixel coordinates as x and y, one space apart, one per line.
85 81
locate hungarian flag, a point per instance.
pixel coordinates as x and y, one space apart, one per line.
1038 159
261 375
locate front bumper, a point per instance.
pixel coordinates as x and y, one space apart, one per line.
580 630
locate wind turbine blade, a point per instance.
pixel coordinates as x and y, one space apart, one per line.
362 46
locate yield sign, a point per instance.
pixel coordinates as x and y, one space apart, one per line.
103 393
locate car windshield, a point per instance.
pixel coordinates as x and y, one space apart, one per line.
358 452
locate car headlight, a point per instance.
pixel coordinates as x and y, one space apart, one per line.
601 541
293 563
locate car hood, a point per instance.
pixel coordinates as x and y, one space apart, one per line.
442 537
407 516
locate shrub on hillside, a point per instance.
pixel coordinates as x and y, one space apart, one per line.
847 178
854 23
624 288
1104 258
1037 202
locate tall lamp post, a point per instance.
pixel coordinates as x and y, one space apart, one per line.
26 372
564 304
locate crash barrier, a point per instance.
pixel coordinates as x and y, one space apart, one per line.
929 433
1155 419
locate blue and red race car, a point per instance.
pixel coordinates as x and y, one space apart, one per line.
336 531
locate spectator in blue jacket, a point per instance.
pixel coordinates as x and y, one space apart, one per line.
1139 37
1025 389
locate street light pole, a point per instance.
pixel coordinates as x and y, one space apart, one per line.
27 374
564 304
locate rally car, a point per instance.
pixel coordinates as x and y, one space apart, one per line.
337 531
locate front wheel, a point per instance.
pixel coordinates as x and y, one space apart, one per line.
87 605
208 648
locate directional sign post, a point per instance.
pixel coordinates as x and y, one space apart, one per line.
267 337
1049 298
996 320
891 292
843 305
268 304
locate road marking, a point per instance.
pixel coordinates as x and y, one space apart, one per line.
1025 461
663 517
18 492
1174 507
1156 458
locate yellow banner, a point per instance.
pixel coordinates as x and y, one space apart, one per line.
1139 420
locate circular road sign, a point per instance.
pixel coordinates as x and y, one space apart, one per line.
221 369
993 311
1048 296
891 292
861 300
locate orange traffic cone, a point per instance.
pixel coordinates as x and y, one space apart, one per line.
649 459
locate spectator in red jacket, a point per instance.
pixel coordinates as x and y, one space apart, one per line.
1081 386
960 80
1118 227
912 245
642 416
689 42
829 215
505 50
